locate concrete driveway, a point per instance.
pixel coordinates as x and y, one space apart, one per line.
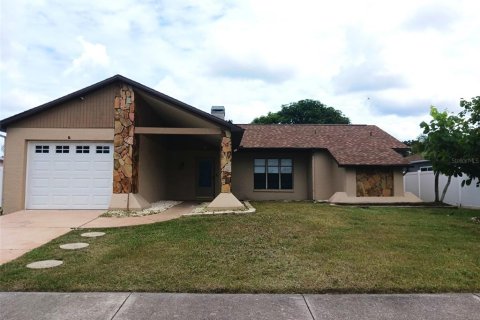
23 231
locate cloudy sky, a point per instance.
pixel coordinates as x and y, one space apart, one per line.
379 62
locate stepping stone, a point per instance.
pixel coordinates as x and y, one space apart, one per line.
44 264
92 234
74 246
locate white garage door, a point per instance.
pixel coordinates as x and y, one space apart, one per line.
69 175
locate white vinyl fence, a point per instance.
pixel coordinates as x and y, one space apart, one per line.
421 184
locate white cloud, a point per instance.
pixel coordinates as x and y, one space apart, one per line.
251 56
93 55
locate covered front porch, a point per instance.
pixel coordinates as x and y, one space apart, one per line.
164 151
175 167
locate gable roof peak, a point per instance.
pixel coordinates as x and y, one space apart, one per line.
111 80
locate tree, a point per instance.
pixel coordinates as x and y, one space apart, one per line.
304 112
470 163
452 143
416 145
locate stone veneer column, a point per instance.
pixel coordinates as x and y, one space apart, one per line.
125 154
225 200
226 162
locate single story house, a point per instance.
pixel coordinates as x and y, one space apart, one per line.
418 163
120 144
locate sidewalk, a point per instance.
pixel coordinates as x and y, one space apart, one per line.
139 306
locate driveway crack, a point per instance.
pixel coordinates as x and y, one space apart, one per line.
121 306
81 226
308 307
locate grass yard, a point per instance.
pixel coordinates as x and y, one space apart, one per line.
283 248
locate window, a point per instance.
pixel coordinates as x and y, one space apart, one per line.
83 149
273 174
42 149
426 169
103 149
62 149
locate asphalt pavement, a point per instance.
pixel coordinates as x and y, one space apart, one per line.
139 306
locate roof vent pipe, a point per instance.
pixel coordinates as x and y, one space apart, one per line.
218 111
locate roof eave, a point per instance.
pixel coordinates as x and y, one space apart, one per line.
119 78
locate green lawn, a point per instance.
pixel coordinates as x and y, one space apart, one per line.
284 247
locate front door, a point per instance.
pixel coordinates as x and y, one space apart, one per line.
205 174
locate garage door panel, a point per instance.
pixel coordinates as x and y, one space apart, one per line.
62 165
39 183
80 182
60 200
41 165
98 200
41 199
79 200
61 191
103 166
83 166
85 191
43 192
76 178
102 183
59 183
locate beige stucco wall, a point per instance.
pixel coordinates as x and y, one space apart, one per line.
242 176
339 175
322 180
14 177
152 167
328 177
182 172
350 181
310 181
398 190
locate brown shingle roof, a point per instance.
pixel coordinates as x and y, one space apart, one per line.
348 144
415 157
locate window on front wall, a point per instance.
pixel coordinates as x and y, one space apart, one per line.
273 173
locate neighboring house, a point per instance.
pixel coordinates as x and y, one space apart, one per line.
120 144
418 163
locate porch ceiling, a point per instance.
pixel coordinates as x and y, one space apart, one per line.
172 116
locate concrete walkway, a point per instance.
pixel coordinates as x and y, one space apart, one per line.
139 306
169 214
25 230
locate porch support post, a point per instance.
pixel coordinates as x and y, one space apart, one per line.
226 162
125 155
226 200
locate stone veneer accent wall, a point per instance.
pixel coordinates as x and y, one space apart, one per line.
125 154
226 162
374 182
